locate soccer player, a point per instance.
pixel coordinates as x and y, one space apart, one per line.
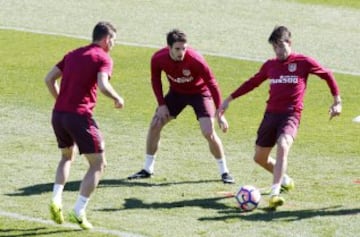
82 71
191 83
287 75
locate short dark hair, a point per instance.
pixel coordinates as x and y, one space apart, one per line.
102 29
280 33
175 35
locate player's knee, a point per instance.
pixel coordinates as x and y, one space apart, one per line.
98 166
96 161
68 153
208 134
256 159
102 164
259 160
285 141
156 125
102 167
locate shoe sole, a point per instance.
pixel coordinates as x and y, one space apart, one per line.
147 177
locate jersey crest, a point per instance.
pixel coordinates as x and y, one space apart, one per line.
186 72
292 67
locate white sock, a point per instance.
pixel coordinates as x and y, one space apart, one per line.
275 190
57 193
222 165
149 163
80 205
286 180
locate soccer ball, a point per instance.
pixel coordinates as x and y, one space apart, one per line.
248 197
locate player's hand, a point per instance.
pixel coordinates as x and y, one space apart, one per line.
223 107
162 115
335 109
119 103
223 124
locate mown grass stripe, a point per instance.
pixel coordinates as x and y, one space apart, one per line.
354 73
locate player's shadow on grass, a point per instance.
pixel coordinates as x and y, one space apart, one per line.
283 215
75 185
206 203
14 232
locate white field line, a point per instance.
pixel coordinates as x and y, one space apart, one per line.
154 46
66 225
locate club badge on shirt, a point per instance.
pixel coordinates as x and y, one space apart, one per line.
292 67
186 72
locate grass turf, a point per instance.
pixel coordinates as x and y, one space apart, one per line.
185 198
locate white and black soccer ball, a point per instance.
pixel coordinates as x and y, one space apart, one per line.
248 197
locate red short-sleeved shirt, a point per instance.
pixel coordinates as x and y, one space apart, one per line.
78 89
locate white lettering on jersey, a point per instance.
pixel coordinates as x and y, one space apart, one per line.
287 79
180 79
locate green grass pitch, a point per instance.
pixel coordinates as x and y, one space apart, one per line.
185 197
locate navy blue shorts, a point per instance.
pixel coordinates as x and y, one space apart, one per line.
203 105
273 125
82 130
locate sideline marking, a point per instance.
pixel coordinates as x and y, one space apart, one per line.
154 46
67 225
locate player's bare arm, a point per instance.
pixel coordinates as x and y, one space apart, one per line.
106 88
223 107
50 80
223 123
336 107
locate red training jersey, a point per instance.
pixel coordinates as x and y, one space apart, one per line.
192 75
78 88
288 81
